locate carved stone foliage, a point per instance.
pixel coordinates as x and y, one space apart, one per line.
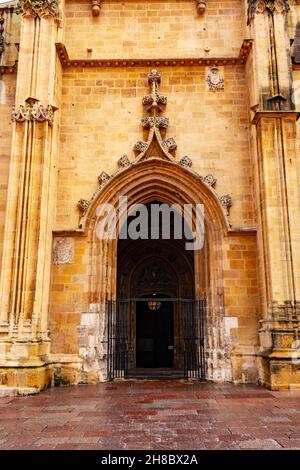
103 178
140 146
185 162
155 121
169 144
210 180
226 202
83 205
63 250
124 162
214 78
266 6
37 7
36 112
2 41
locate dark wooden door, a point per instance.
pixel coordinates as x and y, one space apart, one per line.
154 335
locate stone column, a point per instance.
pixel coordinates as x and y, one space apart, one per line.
25 275
275 162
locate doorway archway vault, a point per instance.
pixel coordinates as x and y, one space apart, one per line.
142 182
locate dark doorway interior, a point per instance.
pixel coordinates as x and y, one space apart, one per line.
154 333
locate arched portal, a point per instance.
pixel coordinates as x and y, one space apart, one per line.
160 180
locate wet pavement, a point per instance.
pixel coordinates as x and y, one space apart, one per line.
152 415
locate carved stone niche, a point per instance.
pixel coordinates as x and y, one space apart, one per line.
63 250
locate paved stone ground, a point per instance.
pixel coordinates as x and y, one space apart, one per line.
152 415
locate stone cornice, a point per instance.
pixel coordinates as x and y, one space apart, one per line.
241 59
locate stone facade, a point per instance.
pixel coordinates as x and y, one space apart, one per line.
78 124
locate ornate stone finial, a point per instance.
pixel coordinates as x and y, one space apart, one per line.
37 8
210 180
124 162
201 6
83 205
103 178
214 79
266 6
154 100
96 7
185 162
226 202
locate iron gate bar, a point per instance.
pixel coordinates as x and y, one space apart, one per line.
119 327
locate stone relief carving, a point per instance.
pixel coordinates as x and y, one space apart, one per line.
63 250
36 112
103 178
226 202
37 7
186 162
214 78
83 205
124 162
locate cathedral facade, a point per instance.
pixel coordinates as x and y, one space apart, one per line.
157 102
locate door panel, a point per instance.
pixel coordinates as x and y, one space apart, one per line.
154 335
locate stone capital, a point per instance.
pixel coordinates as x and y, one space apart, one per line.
37 8
266 6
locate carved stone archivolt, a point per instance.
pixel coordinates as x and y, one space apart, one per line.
63 250
214 78
35 112
37 8
154 147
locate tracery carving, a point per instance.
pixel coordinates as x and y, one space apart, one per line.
37 8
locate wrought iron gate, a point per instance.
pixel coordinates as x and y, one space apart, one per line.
120 314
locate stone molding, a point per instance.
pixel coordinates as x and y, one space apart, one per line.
37 8
241 59
35 112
